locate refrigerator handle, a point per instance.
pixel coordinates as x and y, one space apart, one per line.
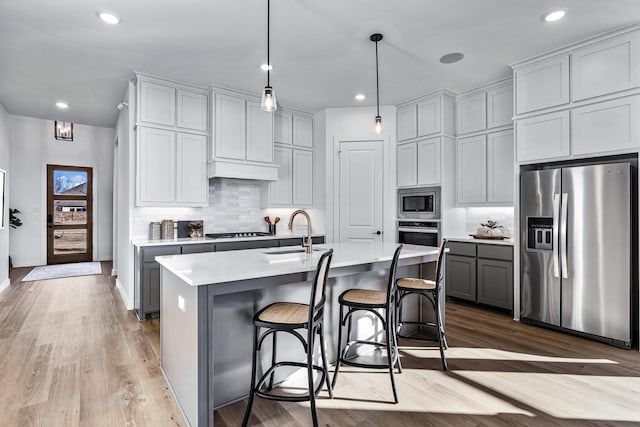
556 220
563 236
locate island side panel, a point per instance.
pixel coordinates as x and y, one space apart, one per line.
179 342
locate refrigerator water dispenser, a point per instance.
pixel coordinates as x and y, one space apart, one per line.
540 233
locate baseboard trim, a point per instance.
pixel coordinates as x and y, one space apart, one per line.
114 272
128 304
5 285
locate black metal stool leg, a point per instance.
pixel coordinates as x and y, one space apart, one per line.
273 359
440 333
389 337
312 394
395 340
325 365
339 352
247 413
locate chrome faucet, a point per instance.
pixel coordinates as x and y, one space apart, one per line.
305 243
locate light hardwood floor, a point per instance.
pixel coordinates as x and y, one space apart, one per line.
70 355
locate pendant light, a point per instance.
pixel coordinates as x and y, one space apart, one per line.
268 95
378 120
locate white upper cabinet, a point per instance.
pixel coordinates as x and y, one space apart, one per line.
500 106
156 167
609 66
407 122
302 178
157 103
429 161
606 126
471 113
407 165
543 137
500 167
192 185
542 84
192 110
259 133
429 116
302 131
230 127
281 191
471 170
283 127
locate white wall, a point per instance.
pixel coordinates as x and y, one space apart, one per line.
357 124
32 148
4 232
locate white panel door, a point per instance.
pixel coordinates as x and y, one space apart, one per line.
606 126
230 126
280 191
471 113
157 103
407 125
192 110
361 189
302 178
156 174
429 116
192 185
429 162
283 132
407 165
303 131
606 67
500 106
471 170
542 84
500 164
543 137
259 133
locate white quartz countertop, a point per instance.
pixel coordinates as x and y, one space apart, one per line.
190 240
220 267
507 242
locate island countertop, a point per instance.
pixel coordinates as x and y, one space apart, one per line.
196 240
221 267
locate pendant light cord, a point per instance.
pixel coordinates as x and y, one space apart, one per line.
377 82
268 42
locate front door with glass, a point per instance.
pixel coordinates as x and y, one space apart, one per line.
69 214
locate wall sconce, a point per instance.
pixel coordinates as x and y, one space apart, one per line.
63 131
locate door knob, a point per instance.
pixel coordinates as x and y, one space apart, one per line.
378 232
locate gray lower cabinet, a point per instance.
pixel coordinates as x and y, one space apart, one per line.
148 270
481 273
461 277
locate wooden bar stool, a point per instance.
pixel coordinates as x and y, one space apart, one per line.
355 300
288 317
429 289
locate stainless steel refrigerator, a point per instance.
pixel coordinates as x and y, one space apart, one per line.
577 242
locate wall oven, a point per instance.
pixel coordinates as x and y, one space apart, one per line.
424 233
419 203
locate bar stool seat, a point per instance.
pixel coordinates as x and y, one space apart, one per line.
410 284
288 313
364 297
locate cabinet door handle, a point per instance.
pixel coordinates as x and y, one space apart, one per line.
377 232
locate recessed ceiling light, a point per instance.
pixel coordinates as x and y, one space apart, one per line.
450 58
554 15
360 96
265 67
62 105
108 17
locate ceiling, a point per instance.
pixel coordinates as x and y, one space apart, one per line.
322 56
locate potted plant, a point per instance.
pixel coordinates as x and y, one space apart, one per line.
14 221
490 228
196 229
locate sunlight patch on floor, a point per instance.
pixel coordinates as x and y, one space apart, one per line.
493 354
586 397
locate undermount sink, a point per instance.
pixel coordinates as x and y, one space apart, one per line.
291 251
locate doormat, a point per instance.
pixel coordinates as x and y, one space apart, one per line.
58 271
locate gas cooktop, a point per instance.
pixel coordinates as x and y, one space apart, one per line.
237 234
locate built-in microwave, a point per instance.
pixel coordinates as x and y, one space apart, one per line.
419 203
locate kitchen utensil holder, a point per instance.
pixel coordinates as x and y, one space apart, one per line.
272 229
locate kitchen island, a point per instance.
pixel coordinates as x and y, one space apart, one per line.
208 301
